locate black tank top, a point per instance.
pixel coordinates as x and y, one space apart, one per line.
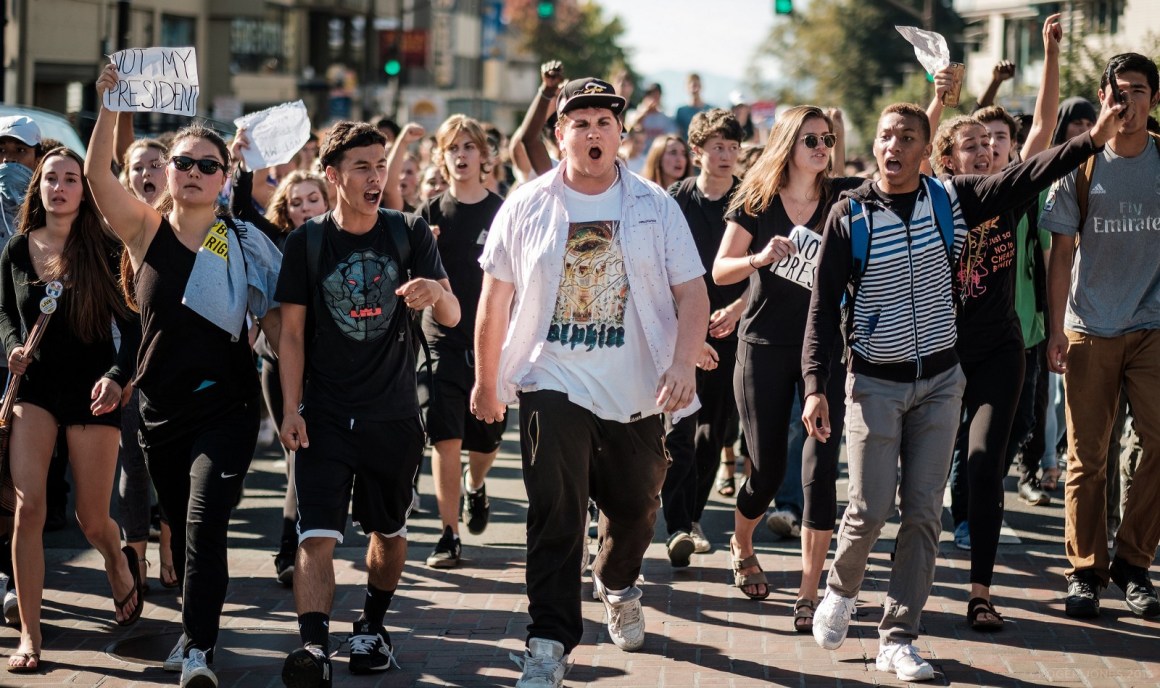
184 359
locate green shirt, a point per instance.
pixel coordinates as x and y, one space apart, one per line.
1031 316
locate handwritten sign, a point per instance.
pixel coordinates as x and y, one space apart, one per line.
276 134
155 80
800 266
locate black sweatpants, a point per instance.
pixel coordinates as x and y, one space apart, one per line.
765 382
695 442
989 402
568 455
198 469
1026 442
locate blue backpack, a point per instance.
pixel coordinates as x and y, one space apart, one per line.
860 231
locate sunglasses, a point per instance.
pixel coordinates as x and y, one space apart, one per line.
205 165
811 140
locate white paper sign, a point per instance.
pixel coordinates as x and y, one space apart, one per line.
155 80
799 267
276 134
930 47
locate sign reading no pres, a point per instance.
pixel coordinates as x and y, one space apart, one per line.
155 80
800 266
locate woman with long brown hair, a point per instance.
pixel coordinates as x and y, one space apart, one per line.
789 186
668 161
73 380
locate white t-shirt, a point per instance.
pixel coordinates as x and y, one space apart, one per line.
595 350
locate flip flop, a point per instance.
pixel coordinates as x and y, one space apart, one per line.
977 607
171 582
30 663
135 570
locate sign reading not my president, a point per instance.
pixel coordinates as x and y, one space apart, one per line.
155 80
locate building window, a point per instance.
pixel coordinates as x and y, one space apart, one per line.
259 45
178 31
1104 16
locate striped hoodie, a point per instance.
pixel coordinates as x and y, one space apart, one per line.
902 323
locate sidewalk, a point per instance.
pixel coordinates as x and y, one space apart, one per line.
457 627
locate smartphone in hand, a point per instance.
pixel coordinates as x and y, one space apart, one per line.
1117 95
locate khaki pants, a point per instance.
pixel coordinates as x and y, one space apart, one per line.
1097 368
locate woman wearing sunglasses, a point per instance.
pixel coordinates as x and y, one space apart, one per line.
195 278
63 257
788 186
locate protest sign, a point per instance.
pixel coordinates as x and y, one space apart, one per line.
929 47
800 266
276 134
155 80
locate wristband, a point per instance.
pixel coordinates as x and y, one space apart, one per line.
751 257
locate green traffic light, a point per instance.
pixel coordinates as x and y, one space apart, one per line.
545 9
393 67
783 6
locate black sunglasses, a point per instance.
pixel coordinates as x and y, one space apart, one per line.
811 140
205 165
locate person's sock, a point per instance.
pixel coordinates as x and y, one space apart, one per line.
375 606
314 627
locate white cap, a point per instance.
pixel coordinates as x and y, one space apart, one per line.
738 98
21 128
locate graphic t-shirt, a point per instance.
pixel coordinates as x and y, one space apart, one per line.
985 279
1115 279
359 361
462 231
595 349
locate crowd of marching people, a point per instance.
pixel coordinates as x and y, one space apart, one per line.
643 293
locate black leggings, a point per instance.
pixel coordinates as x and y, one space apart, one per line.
198 470
989 404
765 381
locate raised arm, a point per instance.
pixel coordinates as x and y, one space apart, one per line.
944 80
128 217
1002 71
529 132
410 133
1047 102
838 155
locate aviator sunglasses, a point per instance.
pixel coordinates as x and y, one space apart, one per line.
811 140
205 165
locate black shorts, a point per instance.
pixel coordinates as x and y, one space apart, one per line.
378 460
449 414
67 398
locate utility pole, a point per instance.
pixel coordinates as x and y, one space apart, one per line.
122 24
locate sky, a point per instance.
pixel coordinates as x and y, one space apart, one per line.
712 38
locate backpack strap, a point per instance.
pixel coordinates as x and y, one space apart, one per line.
1083 186
940 202
859 239
397 227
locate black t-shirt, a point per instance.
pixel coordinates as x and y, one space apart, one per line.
706 220
462 230
359 361
184 358
985 279
777 308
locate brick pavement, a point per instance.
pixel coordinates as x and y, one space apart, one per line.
457 627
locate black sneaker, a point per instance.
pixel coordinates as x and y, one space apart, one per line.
1137 587
447 551
681 547
284 567
1083 595
476 508
307 667
370 649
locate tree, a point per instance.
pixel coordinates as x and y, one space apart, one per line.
1085 56
846 53
576 34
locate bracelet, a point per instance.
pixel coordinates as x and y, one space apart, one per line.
546 96
751 257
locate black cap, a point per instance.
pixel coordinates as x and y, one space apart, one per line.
586 93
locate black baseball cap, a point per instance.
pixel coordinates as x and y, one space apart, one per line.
589 92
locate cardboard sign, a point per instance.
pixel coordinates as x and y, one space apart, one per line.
800 266
155 80
276 134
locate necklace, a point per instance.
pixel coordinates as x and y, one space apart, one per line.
798 212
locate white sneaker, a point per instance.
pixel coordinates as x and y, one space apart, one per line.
903 660
784 523
832 620
176 656
543 663
702 544
11 608
195 673
625 616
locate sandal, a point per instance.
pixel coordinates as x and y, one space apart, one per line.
1050 479
976 608
134 568
29 663
726 487
144 573
168 576
741 580
803 615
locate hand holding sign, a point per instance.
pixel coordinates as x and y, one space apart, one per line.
275 135
929 47
151 80
800 265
